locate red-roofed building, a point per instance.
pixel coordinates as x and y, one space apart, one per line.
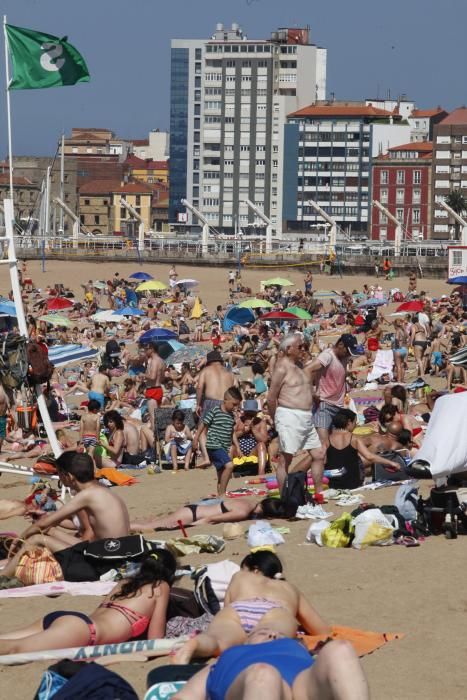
449 167
149 171
423 121
402 184
328 148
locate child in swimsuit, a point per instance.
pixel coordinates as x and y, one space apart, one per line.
136 605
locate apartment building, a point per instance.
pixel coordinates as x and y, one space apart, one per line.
402 184
328 148
230 96
449 167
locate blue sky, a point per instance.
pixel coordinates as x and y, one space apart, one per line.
415 47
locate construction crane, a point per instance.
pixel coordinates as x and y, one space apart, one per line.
332 222
138 217
458 218
202 219
398 224
266 220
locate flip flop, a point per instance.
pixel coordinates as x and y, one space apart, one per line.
407 541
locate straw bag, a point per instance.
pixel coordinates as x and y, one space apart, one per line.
38 565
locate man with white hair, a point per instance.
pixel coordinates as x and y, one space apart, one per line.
290 401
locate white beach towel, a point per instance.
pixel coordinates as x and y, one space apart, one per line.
383 364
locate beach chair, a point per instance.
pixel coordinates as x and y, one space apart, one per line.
163 418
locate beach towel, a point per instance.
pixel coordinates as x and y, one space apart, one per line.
383 364
116 477
60 355
363 642
445 443
58 587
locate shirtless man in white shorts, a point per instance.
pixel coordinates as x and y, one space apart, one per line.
290 401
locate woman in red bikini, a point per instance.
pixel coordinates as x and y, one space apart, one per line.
135 606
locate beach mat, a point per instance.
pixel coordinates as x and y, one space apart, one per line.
363 642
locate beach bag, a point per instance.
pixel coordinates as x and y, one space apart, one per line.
45 465
406 501
93 682
261 534
13 361
40 367
38 565
294 493
117 548
204 592
51 683
372 527
339 533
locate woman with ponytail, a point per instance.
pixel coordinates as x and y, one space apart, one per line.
258 601
136 606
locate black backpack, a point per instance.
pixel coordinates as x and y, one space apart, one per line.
294 493
13 361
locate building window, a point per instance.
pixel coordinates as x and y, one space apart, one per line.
400 215
122 213
384 177
74 150
96 219
415 216
400 178
416 196
417 177
87 202
383 219
400 196
383 196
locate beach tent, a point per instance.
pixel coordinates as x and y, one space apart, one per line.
237 316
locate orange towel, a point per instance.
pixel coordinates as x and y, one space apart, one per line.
116 477
362 641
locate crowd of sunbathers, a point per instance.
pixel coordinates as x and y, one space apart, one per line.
280 395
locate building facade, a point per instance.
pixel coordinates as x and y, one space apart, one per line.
92 141
449 167
25 198
423 121
155 147
328 149
402 184
149 171
101 211
229 100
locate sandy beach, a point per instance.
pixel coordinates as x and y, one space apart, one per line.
415 591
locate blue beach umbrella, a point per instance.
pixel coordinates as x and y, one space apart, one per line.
144 276
461 279
7 308
129 311
157 334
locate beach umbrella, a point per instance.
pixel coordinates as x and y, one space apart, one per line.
107 316
299 313
279 316
189 353
255 304
55 320
189 283
414 305
129 311
197 310
277 282
7 308
236 316
144 276
460 279
372 302
157 334
151 286
59 303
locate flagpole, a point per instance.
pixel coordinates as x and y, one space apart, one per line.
8 107
13 265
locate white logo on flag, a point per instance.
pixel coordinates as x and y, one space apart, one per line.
50 60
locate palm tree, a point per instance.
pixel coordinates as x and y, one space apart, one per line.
458 203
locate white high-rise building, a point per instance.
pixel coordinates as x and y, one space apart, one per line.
230 97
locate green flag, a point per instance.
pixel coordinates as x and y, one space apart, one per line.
43 60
